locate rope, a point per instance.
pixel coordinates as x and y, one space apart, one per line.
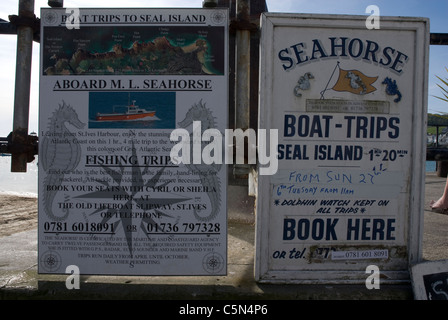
323 91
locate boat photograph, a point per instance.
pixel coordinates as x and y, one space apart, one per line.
132 110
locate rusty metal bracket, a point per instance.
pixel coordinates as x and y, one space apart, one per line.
439 39
242 25
29 145
26 20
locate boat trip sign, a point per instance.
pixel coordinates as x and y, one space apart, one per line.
114 85
350 105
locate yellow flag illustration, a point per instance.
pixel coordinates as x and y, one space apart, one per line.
354 81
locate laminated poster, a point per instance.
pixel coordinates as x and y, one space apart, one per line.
114 84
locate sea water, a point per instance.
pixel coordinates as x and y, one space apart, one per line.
19 183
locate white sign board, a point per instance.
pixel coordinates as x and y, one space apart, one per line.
114 84
430 280
349 104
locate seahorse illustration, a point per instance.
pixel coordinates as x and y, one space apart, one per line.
356 82
206 172
59 158
303 83
392 88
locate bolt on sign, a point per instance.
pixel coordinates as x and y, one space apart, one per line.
114 84
350 106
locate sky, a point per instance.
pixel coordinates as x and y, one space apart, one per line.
435 10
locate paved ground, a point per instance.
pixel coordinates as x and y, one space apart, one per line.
435 237
17 214
19 278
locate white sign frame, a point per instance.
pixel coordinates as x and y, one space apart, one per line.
286 44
